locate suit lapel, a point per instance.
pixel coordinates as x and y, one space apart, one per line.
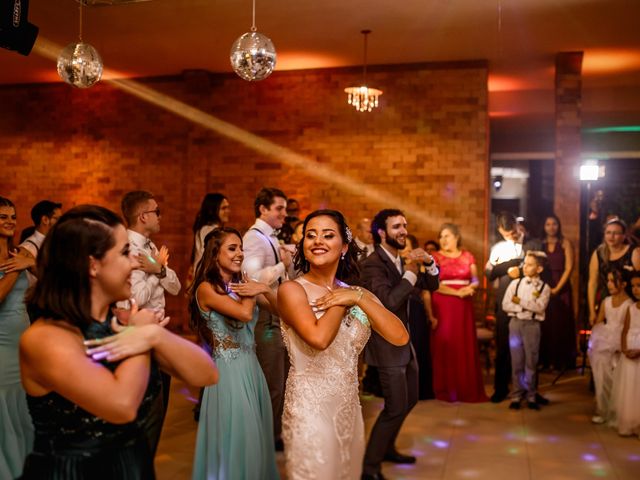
388 263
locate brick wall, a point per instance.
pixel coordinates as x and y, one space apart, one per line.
568 122
424 149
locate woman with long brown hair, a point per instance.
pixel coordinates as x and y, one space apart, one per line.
235 427
16 432
558 341
325 325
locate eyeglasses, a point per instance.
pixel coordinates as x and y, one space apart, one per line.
156 211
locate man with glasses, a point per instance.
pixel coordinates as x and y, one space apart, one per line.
150 280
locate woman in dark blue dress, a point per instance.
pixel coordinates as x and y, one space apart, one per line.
91 384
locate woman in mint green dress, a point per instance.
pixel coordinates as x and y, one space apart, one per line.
16 430
235 439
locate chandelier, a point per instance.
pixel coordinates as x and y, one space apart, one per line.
363 98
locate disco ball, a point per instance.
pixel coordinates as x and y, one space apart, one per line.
253 56
80 65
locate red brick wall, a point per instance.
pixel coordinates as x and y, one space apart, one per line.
426 145
568 116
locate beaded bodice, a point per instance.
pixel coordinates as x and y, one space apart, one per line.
340 360
322 386
230 337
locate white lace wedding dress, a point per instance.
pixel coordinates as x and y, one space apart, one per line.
322 424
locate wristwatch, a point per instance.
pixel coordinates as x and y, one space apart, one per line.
162 273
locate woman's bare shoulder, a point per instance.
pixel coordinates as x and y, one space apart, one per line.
47 333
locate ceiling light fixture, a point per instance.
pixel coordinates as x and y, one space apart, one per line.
253 56
363 98
107 3
79 64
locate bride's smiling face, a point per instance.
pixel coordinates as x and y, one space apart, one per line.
323 244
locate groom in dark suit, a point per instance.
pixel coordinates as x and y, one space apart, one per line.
385 274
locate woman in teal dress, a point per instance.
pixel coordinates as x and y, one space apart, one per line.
16 430
235 439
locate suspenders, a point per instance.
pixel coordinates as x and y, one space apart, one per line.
34 244
275 254
533 317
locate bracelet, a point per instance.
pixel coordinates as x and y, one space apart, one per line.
360 291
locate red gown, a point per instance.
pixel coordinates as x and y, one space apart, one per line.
457 376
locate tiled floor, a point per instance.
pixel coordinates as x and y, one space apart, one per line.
464 441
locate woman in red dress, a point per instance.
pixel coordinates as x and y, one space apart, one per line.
457 376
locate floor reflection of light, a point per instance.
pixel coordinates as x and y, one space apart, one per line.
588 457
440 444
513 451
459 422
472 438
186 393
634 458
599 470
468 473
417 453
552 439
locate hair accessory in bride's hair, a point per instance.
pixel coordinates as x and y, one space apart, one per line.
349 234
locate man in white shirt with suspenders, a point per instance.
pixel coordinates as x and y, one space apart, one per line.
265 260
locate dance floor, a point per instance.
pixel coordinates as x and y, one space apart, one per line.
465 441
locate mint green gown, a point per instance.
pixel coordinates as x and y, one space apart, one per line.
235 430
16 429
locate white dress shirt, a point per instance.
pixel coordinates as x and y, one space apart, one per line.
146 288
504 251
199 244
366 247
33 243
262 255
411 277
533 300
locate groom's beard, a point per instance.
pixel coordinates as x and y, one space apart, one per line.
395 243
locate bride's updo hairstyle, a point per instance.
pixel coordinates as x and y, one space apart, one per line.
63 290
348 264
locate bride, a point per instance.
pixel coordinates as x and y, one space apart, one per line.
326 324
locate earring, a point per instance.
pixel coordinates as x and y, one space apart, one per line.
343 256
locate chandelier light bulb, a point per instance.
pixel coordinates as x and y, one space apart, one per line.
363 98
253 56
80 65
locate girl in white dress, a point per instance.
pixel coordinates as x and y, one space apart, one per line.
626 388
604 344
326 324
